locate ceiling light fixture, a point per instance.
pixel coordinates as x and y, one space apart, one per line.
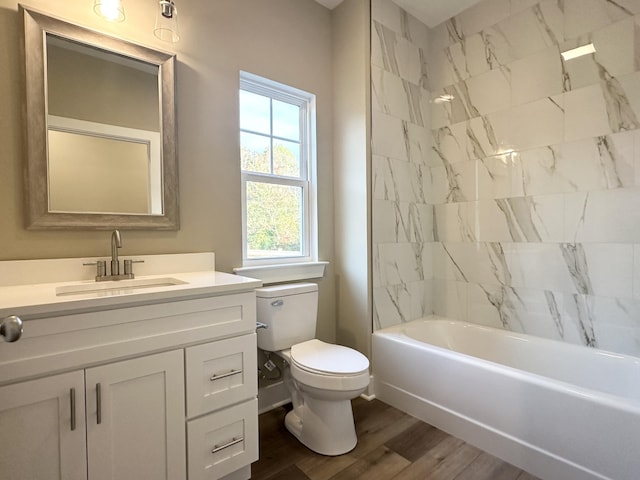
111 10
166 28
578 52
445 98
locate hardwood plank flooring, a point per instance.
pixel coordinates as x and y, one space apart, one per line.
391 446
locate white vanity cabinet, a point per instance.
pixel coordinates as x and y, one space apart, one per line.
106 391
133 426
38 440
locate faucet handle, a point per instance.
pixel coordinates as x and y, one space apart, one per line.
101 267
128 266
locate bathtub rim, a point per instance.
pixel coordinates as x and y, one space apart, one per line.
397 334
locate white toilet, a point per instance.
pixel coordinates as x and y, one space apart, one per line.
322 378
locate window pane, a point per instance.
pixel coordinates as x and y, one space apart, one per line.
255 112
286 158
255 153
274 220
286 120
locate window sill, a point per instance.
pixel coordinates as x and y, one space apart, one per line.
288 272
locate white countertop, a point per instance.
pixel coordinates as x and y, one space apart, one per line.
38 300
30 301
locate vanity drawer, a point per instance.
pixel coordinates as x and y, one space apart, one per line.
223 442
64 342
221 373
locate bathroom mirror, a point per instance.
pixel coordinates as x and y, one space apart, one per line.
101 133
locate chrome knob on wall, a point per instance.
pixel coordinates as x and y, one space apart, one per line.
11 328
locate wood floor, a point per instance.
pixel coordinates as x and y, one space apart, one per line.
391 445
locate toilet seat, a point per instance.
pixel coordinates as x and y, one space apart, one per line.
316 356
330 367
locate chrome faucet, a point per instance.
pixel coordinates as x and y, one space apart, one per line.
116 243
116 273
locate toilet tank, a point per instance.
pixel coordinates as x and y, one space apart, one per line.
290 312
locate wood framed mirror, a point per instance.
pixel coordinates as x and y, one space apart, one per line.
101 131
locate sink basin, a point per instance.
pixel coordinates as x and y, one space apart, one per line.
118 287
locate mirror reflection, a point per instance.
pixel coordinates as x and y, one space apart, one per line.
103 131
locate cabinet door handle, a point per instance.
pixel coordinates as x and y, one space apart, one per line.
72 398
98 403
225 375
234 441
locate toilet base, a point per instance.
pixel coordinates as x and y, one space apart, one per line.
326 427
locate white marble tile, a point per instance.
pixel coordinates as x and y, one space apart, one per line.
536 76
457 57
409 61
532 30
490 135
530 311
473 262
480 56
437 191
538 266
400 263
388 136
418 32
500 176
387 13
520 219
450 145
383 51
421 299
600 163
584 16
489 92
537 123
605 323
452 222
586 114
519 5
622 95
584 165
483 15
389 96
603 269
615 54
393 179
442 71
420 144
450 299
636 271
421 222
603 216
391 305
391 222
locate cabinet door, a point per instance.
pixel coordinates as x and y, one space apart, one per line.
135 419
42 429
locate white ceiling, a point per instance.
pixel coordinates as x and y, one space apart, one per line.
431 12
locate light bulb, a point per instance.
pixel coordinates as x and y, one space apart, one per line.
111 10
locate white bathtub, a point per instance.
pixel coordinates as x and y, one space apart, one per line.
556 410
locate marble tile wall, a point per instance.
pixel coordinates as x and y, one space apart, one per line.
529 185
402 215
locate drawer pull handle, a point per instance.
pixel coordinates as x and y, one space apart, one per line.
234 441
225 375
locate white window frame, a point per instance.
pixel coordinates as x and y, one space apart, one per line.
308 176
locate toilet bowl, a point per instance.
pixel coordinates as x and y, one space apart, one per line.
321 378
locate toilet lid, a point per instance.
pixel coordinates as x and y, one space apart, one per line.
328 358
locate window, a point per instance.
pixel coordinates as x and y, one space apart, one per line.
277 152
